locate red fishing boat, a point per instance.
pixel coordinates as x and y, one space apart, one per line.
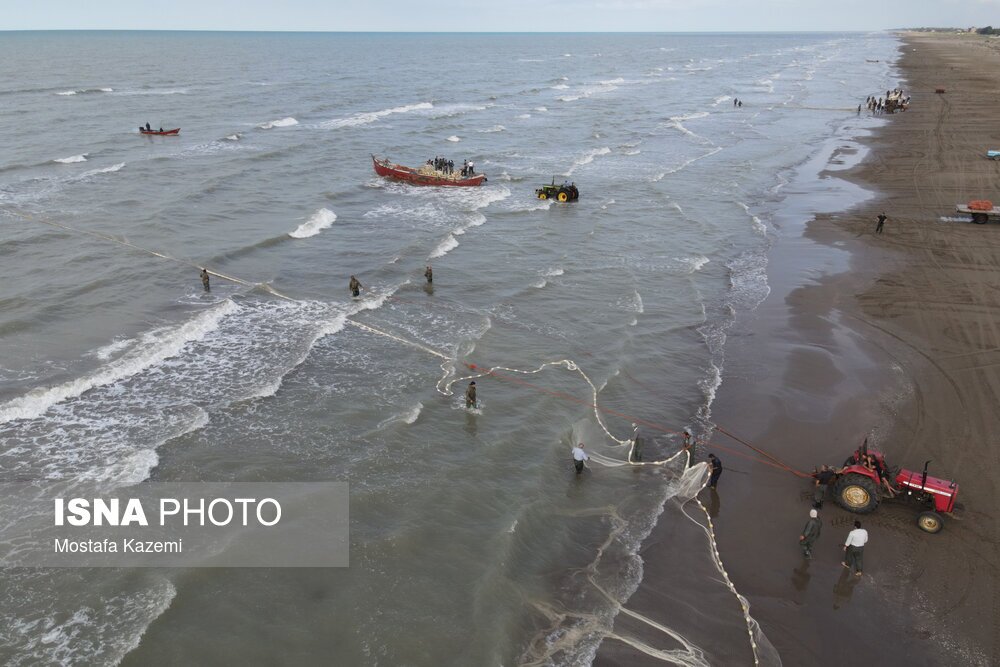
425 175
162 133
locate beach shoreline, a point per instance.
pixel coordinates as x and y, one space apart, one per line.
887 337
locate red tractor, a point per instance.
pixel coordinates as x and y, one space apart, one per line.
866 478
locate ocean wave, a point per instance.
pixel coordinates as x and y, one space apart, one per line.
758 226
587 158
319 221
560 86
153 348
408 417
444 247
449 110
720 99
525 115
541 109
495 128
372 116
72 159
453 138
233 137
283 122
86 91
153 91
693 264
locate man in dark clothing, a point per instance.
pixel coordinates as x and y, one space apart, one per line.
205 280
637 444
148 128
429 274
881 221
810 533
823 479
470 395
355 286
713 480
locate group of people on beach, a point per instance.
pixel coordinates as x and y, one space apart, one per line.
737 102
880 105
447 166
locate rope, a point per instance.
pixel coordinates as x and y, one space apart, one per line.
447 366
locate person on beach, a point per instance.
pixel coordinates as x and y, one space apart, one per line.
148 128
470 395
429 274
854 549
739 103
735 100
579 456
881 222
810 533
355 286
823 479
713 479
688 447
205 280
859 109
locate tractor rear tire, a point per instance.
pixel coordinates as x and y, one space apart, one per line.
930 522
980 218
856 493
542 195
563 196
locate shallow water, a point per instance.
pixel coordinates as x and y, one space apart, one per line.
468 530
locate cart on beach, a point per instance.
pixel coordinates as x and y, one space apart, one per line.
993 155
980 214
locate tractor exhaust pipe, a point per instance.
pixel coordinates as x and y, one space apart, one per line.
923 478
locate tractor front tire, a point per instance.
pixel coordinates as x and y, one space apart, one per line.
930 522
542 195
856 493
980 218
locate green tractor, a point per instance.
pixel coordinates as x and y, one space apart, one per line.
564 192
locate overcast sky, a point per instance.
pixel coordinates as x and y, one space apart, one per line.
496 15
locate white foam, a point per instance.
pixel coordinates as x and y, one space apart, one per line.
719 100
319 221
541 109
112 348
153 348
453 138
83 91
70 160
693 264
525 115
67 92
408 417
560 86
372 116
556 271
283 122
587 158
234 137
495 128
443 248
105 170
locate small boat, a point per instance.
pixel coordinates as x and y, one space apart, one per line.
426 175
163 133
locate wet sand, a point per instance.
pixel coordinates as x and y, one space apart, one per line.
894 337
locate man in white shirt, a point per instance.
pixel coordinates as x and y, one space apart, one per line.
854 549
579 456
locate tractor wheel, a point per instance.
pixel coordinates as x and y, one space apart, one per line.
542 195
857 493
930 522
980 218
563 196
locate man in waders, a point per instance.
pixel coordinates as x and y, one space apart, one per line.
470 395
637 444
579 456
429 274
716 470
823 479
355 286
881 222
810 533
205 280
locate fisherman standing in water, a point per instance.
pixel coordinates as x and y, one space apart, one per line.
429 274
579 456
205 280
470 396
355 286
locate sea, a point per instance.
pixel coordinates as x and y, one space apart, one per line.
473 541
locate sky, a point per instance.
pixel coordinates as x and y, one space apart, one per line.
498 15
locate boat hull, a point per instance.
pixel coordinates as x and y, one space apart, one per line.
386 169
165 133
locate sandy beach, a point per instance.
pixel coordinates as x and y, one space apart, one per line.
891 337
